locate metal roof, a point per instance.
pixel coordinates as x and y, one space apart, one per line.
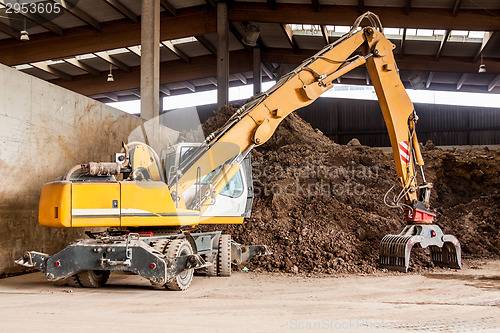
439 41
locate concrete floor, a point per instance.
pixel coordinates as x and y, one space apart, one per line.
442 300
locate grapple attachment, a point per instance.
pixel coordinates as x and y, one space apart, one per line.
395 250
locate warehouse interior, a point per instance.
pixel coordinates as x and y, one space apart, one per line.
63 69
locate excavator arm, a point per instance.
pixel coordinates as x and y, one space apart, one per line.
255 122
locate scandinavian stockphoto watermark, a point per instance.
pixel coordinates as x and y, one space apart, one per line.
359 324
311 180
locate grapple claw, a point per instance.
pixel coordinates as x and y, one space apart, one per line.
395 250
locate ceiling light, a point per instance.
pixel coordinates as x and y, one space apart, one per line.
482 67
252 32
110 75
25 36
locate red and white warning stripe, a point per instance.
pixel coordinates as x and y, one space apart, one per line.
403 151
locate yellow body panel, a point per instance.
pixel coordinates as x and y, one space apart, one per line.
113 204
95 204
55 205
221 220
150 204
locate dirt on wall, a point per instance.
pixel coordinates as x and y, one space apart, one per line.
320 208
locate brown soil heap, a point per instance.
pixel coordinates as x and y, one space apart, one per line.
320 208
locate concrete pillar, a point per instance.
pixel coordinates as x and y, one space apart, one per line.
222 55
257 71
150 59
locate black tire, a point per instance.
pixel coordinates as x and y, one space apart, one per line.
72 281
177 248
93 279
224 257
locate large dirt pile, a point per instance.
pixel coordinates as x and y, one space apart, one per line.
320 208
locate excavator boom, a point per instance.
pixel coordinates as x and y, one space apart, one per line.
255 122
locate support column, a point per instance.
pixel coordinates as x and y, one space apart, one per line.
150 59
222 55
257 71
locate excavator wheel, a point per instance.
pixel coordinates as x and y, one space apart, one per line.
177 248
212 269
93 278
224 256
72 281
160 246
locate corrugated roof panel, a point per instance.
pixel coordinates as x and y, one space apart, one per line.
166 55
185 3
99 10
421 47
272 35
68 69
132 5
340 2
128 59
460 49
65 20
432 3
480 4
310 42
193 49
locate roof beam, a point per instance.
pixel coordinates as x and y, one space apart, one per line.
267 71
403 40
78 13
115 34
189 86
443 43
324 32
7 29
168 7
461 81
164 90
287 30
241 61
424 63
46 68
429 80
136 92
315 4
407 7
120 8
486 40
111 96
361 6
206 43
271 4
241 77
212 80
135 50
423 18
175 50
456 7
83 66
115 62
494 83
41 21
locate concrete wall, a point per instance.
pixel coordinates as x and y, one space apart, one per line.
44 131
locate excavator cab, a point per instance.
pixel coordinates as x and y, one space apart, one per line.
235 199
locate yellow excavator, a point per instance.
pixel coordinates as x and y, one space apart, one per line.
153 211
